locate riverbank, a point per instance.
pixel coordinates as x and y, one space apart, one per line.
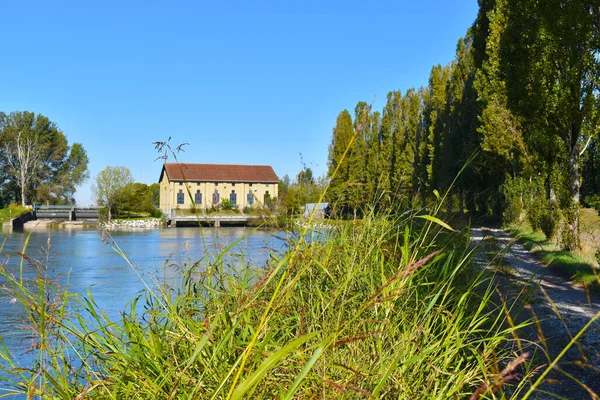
146 223
354 315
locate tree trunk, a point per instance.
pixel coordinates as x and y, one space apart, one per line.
109 215
450 201
22 190
551 195
573 243
593 158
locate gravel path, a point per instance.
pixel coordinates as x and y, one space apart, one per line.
548 294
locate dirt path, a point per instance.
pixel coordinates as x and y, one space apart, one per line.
550 296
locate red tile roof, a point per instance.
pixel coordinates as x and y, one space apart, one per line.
220 173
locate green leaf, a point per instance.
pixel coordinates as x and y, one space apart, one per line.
437 221
304 372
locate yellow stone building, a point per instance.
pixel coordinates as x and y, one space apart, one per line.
209 184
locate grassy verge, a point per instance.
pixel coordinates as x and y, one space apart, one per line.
137 215
579 267
381 309
12 211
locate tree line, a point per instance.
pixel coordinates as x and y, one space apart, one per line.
508 129
37 164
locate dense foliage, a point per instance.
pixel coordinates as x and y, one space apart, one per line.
518 104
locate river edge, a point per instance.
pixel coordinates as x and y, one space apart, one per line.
139 224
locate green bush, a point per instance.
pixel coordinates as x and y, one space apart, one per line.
550 221
155 213
225 204
514 191
543 215
528 199
593 201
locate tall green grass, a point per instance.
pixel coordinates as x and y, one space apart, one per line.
383 309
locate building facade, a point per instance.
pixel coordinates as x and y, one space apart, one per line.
208 184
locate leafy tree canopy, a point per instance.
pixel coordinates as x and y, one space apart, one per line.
37 164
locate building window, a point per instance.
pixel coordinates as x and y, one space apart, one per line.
197 183
250 185
233 198
250 199
198 197
267 198
216 184
216 197
180 183
180 197
233 184
266 185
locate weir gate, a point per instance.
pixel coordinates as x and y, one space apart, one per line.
68 212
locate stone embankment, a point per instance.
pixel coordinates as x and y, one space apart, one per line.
59 224
133 224
314 224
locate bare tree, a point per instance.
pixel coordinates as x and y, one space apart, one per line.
22 157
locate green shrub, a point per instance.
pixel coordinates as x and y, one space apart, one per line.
593 201
514 191
155 213
225 204
528 199
550 220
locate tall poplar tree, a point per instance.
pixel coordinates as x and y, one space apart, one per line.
550 55
339 167
435 120
373 162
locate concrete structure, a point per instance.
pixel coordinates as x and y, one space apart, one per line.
19 222
70 212
320 210
209 184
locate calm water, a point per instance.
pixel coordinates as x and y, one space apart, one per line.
84 261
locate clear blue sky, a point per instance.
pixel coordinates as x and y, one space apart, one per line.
242 82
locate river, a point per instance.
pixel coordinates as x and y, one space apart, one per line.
84 259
